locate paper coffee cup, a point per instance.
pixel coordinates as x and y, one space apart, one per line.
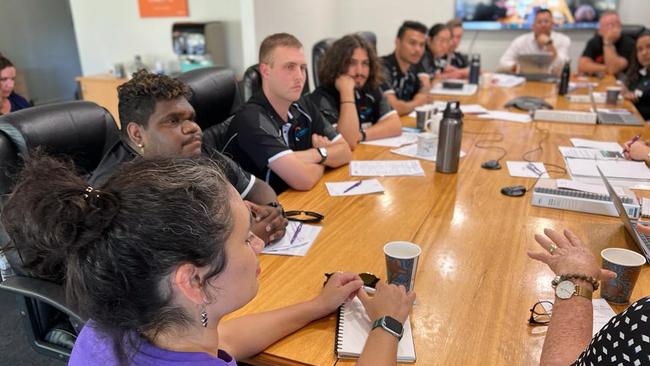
402 263
627 265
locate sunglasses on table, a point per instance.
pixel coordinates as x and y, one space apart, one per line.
369 279
304 216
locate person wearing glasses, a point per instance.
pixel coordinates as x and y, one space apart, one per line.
280 137
623 340
435 60
349 96
542 39
157 255
158 121
406 85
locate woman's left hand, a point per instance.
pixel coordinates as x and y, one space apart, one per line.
340 287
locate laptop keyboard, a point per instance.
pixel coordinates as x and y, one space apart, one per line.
644 238
616 118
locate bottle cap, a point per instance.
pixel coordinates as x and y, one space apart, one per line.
452 110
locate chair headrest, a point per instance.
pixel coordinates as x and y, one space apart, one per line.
8 165
370 37
215 94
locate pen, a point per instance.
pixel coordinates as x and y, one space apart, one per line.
358 183
635 139
369 290
534 169
295 234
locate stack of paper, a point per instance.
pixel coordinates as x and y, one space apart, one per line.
623 173
506 116
385 168
506 80
527 169
603 313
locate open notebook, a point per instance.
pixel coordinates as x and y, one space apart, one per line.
353 326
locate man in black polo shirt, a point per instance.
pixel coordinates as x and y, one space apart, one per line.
608 52
158 121
279 138
406 84
458 60
349 95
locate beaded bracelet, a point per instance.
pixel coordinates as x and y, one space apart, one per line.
574 276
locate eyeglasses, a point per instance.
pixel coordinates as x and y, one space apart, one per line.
369 279
304 216
541 313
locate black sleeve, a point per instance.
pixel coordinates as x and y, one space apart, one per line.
324 105
387 84
256 138
240 179
593 48
623 340
626 49
319 124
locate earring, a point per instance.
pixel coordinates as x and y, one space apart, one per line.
141 147
204 316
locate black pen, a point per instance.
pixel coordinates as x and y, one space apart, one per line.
295 234
352 186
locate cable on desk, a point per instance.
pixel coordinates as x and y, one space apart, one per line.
480 144
540 148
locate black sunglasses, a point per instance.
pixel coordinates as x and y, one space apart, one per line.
304 216
539 315
369 279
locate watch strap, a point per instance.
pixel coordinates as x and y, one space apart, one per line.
323 157
380 323
583 291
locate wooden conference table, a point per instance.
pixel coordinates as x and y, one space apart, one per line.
475 283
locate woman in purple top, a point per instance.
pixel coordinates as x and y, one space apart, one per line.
10 101
157 255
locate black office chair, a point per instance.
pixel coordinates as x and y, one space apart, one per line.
80 131
215 97
317 54
252 82
215 94
370 37
632 30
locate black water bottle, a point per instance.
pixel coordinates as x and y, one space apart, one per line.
564 80
474 69
449 139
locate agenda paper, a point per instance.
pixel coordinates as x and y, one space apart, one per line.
354 187
404 139
300 245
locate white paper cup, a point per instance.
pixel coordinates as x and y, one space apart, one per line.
402 263
427 143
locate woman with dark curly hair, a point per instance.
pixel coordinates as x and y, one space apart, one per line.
349 96
157 256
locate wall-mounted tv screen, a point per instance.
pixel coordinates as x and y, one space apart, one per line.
519 14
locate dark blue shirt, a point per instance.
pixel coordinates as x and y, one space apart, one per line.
18 102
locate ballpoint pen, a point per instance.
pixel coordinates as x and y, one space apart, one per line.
295 234
358 183
532 167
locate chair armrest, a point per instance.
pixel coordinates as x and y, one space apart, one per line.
44 291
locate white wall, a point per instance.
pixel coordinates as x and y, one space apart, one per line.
112 31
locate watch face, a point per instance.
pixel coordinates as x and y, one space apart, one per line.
322 151
393 324
565 289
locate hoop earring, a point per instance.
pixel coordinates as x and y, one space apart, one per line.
204 316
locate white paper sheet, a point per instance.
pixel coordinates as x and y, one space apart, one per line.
412 152
600 145
585 187
385 168
506 81
624 169
473 109
506 116
521 169
586 153
301 244
404 139
366 186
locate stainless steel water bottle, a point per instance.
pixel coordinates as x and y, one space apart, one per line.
564 80
449 139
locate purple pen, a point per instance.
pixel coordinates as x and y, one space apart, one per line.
295 234
352 186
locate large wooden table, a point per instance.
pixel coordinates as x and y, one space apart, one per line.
475 283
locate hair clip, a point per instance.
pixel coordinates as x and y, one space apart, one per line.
89 190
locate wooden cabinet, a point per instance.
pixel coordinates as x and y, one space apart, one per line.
101 89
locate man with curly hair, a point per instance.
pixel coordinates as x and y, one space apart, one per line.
349 96
158 121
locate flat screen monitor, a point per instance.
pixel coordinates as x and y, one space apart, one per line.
519 14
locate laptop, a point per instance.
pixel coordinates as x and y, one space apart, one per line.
641 240
536 66
606 118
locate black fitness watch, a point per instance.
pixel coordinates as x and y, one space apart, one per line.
323 154
389 324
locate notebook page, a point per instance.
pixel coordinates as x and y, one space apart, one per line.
354 327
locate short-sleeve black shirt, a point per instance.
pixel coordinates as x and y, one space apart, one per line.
259 135
371 104
594 49
432 65
403 85
121 153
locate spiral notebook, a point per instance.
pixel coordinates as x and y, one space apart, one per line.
353 326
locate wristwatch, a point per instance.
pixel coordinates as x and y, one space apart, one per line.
389 324
363 135
323 154
567 289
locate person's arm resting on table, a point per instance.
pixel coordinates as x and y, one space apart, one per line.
389 125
